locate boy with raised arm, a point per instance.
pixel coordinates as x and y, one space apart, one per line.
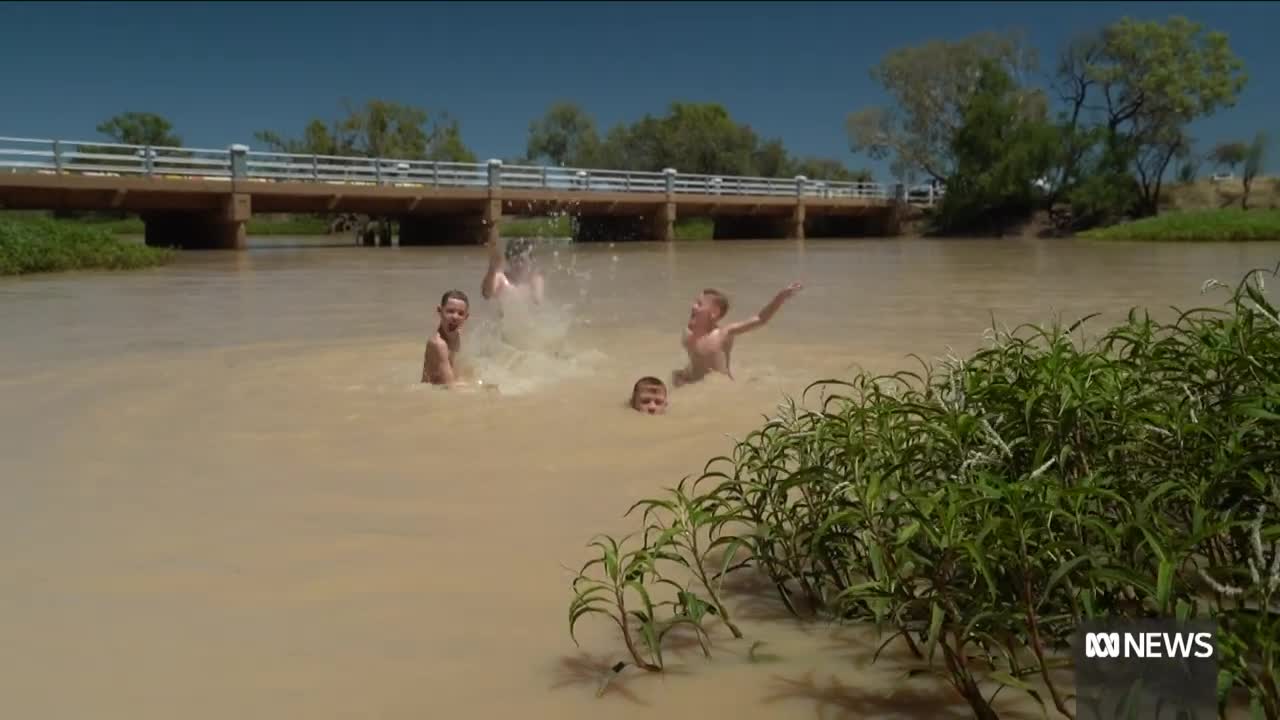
516 276
710 345
437 365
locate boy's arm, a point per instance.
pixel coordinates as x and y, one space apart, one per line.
766 313
438 369
490 283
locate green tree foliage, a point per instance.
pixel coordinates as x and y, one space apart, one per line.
772 160
1229 154
824 169
691 137
566 135
1004 144
1152 80
1253 161
1189 168
140 128
130 128
930 86
379 128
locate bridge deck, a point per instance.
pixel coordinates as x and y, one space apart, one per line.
141 194
203 197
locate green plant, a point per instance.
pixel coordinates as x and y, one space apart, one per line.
625 582
980 511
39 244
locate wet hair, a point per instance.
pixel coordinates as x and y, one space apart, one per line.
719 298
644 382
519 247
454 295
647 381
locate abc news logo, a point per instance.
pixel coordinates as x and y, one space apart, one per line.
1148 645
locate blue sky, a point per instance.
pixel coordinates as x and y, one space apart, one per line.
793 70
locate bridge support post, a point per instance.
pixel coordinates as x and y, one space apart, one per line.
795 225
664 222
223 229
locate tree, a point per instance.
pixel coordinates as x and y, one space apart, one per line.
826 169
445 143
930 86
771 160
1229 154
1188 169
1004 144
316 140
1073 83
379 128
1253 165
566 135
695 138
140 128
1155 79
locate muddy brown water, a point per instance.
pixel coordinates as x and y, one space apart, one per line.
227 496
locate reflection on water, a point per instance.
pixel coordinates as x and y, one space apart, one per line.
227 495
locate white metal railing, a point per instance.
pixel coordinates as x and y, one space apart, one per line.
239 164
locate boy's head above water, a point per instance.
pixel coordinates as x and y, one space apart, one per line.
708 308
519 254
649 395
453 311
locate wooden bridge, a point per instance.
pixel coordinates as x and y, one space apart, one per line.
198 198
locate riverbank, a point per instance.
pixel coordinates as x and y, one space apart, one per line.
41 244
1224 225
305 225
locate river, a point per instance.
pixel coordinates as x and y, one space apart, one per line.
227 496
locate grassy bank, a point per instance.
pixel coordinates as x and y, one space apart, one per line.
540 227
301 225
1223 225
39 244
290 225
980 511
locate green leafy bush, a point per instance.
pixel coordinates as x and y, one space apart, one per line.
38 244
980 510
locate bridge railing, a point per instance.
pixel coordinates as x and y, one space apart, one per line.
240 164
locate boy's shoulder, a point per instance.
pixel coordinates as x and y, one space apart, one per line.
437 343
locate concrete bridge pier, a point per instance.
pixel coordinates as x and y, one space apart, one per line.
221 229
664 222
795 228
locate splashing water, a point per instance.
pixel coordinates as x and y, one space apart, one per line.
529 345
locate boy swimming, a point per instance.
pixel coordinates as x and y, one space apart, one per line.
649 395
516 276
437 365
710 345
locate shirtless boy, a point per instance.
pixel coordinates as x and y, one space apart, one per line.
437 365
710 345
517 275
649 395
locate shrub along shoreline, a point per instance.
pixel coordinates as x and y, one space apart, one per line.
1223 225
41 244
559 226
980 511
